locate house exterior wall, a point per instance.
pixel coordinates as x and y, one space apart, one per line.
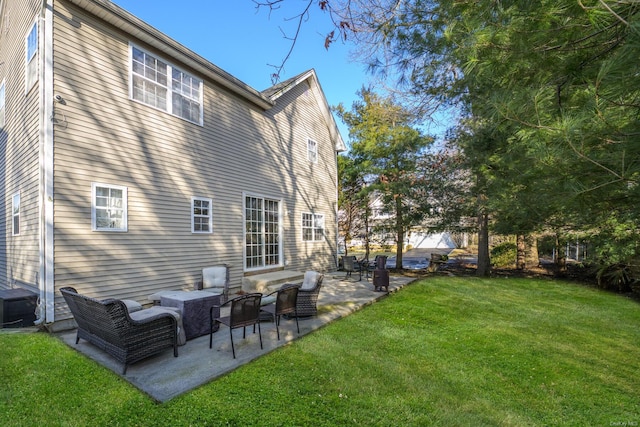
100 135
19 149
311 187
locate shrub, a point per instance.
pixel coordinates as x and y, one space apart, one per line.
616 277
504 255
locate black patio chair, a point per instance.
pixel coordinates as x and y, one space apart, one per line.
286 299
245 311
350 265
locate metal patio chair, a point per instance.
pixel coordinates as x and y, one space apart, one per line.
286 300
245 311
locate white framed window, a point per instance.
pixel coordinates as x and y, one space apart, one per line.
201 215
2 105
31 57
312 227
312 151
15 214
163 86
108 207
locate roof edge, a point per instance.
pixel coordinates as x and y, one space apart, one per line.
280 89
137 28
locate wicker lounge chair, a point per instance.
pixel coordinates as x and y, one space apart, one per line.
308 294
128 337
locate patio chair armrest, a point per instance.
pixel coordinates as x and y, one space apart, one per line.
150 315
219 306
291 284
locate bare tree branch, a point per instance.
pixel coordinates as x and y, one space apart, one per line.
341 27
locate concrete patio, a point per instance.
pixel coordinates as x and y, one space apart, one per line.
164 377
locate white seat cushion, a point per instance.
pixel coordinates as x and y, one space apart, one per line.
214 279
310 279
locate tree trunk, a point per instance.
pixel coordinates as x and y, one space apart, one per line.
399 233
366 233
484 261
532 257
560 256
521 245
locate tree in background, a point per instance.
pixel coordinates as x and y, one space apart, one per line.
353 201
387 149
553 95
549 100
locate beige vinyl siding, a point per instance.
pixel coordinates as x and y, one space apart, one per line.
19 145
111 139
315 184
164 161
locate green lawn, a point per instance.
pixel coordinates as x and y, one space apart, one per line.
443 351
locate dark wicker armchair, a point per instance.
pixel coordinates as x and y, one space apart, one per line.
128 337
308 294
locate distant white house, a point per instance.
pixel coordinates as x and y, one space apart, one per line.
423 240
417 238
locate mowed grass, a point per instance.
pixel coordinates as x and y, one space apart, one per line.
442 351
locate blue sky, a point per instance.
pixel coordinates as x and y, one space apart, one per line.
236 37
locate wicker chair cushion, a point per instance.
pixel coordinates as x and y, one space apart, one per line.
132 306
214 279
266 300
310 280
153 312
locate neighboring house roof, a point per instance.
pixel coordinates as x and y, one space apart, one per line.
279 89
115 15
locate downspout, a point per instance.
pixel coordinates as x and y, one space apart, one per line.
336 211
45 313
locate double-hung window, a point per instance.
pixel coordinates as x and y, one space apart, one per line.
312 151
15 214
2 105
161 85
312 227
31 64
201 215
108 207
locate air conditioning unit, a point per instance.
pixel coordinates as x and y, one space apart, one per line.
17 308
